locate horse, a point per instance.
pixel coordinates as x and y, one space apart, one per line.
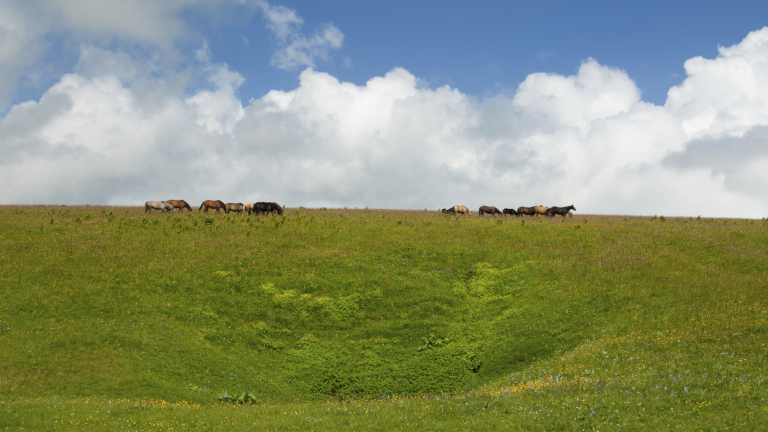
562 211
248 208
541 210
448 211
522 211
211 204
460 209
163 206
488 209
234 207
267 207
179 204
509 211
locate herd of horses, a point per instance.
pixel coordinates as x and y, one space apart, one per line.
271 207
521 211
218 205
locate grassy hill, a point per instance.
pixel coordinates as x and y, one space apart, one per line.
379 320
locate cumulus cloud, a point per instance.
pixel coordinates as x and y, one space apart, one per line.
109 133
28 26
295 49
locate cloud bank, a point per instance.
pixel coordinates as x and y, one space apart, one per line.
111 133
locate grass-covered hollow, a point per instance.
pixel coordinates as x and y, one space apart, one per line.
379 320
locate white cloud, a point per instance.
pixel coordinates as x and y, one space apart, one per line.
219 111
112 133
725 95
296 49
27 26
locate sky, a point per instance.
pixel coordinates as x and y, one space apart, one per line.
636 108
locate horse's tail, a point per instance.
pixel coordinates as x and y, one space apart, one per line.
201 207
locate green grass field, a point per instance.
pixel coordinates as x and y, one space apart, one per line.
340 319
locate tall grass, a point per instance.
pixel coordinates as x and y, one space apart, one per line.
326 318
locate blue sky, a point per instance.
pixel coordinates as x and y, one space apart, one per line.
481 49
485 47
627 108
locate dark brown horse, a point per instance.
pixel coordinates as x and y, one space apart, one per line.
562 211
522 211
267 207
489 210
211 204
508 211
179 204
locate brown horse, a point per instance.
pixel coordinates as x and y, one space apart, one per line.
211 204
541 210
234 207
179 204
489 209
522 211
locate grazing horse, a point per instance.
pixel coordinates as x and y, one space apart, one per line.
211 204
460 209
522 211
234 207
267 207
562 211
248 208
541 210
163 206
489 209
508 211
457 209
180 204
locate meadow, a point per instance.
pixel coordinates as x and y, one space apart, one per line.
362 319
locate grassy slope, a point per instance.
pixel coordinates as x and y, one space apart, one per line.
531 324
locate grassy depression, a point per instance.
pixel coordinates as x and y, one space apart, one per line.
379 320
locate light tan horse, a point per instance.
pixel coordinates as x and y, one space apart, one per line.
234 207
179 204
460 209
211 204
248 208
163 206
541 210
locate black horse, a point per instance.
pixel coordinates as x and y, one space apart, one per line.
267 207
448 211
508 211
522 211
562 211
